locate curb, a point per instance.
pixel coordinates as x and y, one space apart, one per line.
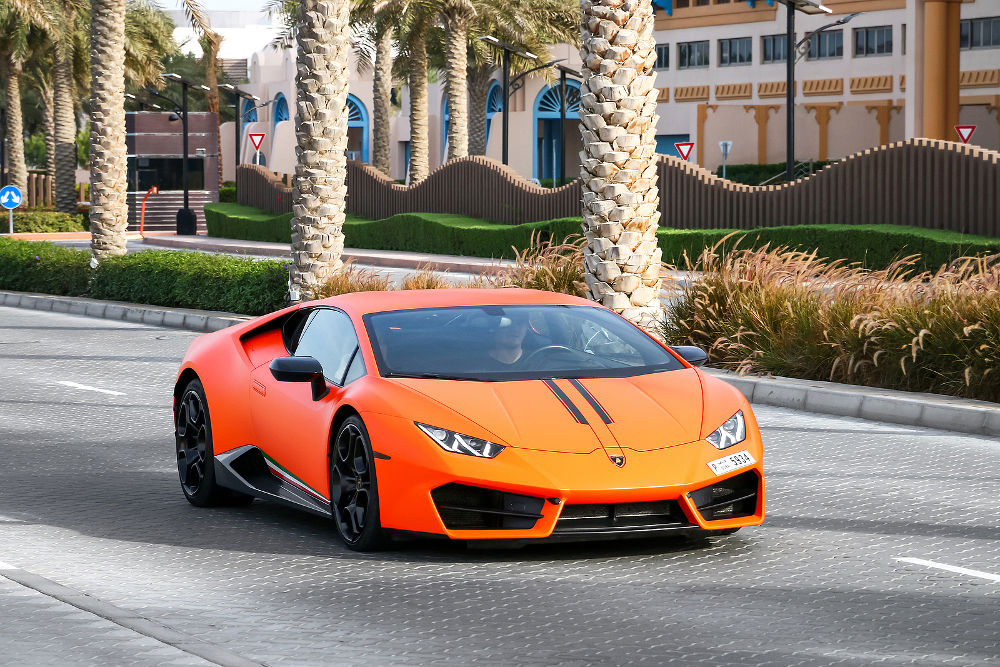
829 398
370 258
176 318
884 405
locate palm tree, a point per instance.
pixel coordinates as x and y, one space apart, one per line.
535 25
108 161
319 196
416 20
382 95
618 124
457 16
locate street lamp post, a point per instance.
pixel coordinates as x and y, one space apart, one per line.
507 49
187 221
792 6
563 71
240 95
3 147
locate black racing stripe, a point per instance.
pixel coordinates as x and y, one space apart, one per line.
564 399
598 408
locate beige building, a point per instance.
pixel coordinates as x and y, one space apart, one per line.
900 69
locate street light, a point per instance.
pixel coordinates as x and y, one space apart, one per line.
143 103
507 49
563 71
792 6
240 95
3 146
187 221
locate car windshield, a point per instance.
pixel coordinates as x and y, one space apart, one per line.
492 343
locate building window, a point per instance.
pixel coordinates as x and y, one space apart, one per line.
662 56
735 51
692 54
980 33
774 48
829 44
904 39
873 41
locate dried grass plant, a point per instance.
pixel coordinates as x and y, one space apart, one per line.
788 313
545 266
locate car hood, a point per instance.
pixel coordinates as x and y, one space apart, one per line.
641 413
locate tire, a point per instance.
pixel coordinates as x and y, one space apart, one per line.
195 455
354 489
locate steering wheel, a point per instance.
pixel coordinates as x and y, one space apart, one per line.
546 348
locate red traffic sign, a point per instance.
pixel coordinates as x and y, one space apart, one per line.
684 149
256 140
965 132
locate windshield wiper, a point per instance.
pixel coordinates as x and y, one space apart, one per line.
425 376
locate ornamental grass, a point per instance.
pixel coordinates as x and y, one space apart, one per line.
788 313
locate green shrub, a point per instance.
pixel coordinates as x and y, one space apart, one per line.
873 246
193 280
236 221
227 194
43 267
36 221
755 174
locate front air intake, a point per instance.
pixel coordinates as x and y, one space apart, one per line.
464 507
729 499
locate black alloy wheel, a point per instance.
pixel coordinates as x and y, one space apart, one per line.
353 487
195 457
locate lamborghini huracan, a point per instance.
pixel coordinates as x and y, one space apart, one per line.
469 414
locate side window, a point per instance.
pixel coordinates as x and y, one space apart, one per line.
356 369
329 337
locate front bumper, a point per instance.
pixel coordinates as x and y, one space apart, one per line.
530 494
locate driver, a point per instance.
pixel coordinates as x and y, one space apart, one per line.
507 339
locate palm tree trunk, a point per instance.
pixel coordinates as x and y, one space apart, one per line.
382 92
319 197
211 56
65 130
17 170
456 63
419 141
480 79
620 196
108 161
48 122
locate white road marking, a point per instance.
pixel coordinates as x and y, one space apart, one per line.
951 568
77 385
6 566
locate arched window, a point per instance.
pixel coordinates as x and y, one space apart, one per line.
445 125
249 112
494 104
548 134
280 109
357 129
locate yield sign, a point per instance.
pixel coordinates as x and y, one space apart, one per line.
684 149
256 140
965 132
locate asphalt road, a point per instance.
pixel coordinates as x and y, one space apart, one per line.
89 504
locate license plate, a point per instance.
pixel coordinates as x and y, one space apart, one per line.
732 462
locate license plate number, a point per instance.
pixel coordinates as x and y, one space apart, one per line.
732 462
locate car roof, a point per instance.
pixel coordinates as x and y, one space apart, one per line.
362 303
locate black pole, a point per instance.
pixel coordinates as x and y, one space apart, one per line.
562 128
790 96
184 150
239 131
506 101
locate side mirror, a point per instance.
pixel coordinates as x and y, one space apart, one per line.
301 369
691 354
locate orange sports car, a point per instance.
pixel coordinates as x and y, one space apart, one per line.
466 413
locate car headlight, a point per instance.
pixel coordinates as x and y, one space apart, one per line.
459 443
733 432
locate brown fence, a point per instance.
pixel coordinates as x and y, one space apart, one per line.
921 183
40 192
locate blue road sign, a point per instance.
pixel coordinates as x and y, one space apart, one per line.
10 197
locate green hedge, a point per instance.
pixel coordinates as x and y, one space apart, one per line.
156 277
227 194
39 222
874 246
193 280
43 267
755 174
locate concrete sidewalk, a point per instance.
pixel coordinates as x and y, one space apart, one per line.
378 258
896 407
